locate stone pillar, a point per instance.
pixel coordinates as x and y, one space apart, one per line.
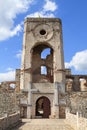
76 84
56 101
85 84
58 57
56 93
29 102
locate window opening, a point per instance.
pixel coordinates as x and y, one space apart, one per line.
45 53
42 32
12 85
44 70
81 79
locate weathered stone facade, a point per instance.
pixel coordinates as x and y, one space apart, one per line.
43 88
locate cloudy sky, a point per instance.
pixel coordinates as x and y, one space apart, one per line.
74 21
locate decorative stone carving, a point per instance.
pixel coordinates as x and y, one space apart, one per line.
43 32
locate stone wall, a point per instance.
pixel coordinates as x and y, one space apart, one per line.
8 103
77 101
77 122
9 121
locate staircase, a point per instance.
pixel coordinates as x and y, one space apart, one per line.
44 124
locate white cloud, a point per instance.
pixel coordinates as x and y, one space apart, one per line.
7 76
41 14
9 10
19 54
50 6
16 30
9 33
9 69
48 10
67 65
79 61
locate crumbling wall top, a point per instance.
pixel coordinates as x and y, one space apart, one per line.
39 19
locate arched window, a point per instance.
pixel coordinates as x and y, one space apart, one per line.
45 53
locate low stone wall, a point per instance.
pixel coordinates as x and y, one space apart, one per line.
9 102
10 121
77 122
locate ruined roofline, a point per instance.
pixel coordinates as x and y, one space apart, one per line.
39 19
13 81
72 76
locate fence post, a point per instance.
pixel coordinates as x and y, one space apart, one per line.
77 121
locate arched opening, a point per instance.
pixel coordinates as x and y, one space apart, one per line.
83 84
12 85
69 83
46 52
43 107
42 63
43 70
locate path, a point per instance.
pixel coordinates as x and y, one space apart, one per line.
44 124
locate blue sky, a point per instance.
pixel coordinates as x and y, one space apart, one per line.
74 26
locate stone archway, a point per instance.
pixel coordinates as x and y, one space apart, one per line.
43 107
42 71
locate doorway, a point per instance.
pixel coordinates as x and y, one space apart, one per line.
43 109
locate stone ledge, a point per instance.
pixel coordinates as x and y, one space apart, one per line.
9 121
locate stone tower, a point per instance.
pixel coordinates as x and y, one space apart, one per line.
43 75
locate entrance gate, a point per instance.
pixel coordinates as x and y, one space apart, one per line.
43 107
